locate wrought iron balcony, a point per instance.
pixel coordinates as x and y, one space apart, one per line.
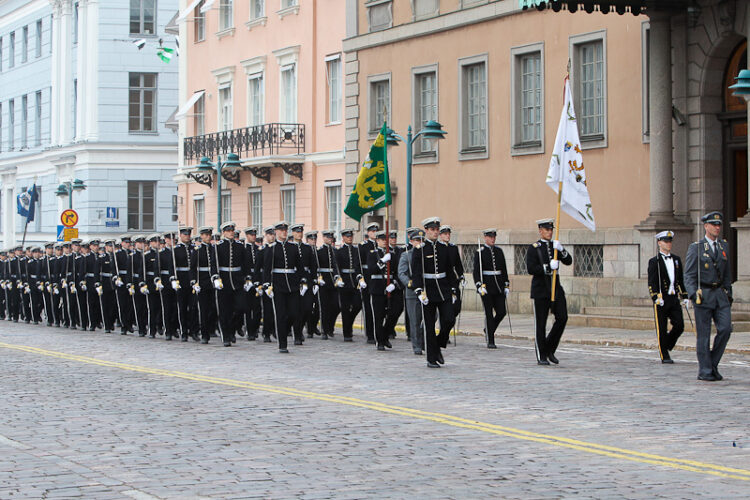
261 140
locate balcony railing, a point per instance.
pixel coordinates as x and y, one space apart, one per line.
260 140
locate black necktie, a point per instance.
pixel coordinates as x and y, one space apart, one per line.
667 257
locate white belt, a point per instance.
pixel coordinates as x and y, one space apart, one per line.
492 273
166 273
183 269
379 277
89 275
364 266
205 269
106 275
434 276
150 273
230 269
307 269
123 272
325 269
347 271
34 276
284 271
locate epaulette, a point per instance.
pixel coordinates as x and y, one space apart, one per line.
535 245
372 251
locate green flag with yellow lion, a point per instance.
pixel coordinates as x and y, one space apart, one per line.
373 187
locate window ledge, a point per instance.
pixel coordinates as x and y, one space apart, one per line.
258 21
225 32
422 158
144 132
288 11
479 153
332 124
593 141
143 35
527 148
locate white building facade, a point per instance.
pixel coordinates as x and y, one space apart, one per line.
79 100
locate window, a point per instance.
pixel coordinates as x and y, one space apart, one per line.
12 53
199 116
25 44
199 211
142 102
379 14
200 22
38 120
226 206
645 85
75 23
333 205
225 15
333 71
588 261
38 44
589 87
1 53
425 106
24 121
255 206
288 111
38 211
519 258
225 107
285 4
380 102
11 125
422 9
255 99
257 9
527 112
142 17
141 205
75 106
1 128
473 105
287 203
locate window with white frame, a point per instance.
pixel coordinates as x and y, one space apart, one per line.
333 204
473 105
333 73
141 205
12 51
425 106
1 127
38 120
288 202
38 39
75 22
199 22
226 18
199 116
590 87
255 208
527 111
379 14
422 9
225 107
24 121
199 211
1 53
255 99
472 3
380 101
257 9
142 17
142 102
11 124
288 101
645 85
226 205
285 4
74 105
25 44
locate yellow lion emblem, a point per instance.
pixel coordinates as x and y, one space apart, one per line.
367 183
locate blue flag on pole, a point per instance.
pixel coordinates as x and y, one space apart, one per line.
26 202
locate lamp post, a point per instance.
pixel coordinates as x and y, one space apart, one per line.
205 170
432 131
67 188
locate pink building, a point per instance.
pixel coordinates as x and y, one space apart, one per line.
262 79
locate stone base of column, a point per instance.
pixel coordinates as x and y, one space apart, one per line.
648 228
742 226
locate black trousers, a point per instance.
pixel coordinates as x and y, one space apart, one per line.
109 309
304 313
26 304
49 307
125 308
206 306
351 304
140 311
546 344
83 303
447 320
3 303
76 315
671 310
231 311
155 316
367 313
494 312
36 304
94 306
184 303
13 302
379 305
329 308
314 317
286 307
395 309
171 320
269 319
253 314
457 304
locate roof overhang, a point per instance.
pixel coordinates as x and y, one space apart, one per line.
635 7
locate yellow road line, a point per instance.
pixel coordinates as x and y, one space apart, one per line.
583 446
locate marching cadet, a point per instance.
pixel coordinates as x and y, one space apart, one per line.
234 277
56 266
93 284
3 285
382 284
124 284
667 290
152 272
415 327
457 267
311 239
80 281
170 285
330 282
308 272
269 325
541 264
492 283
48 265
107 276
35 285
185 263
138 288
365 248
208 302
253 311
15 286
67 287
433 283
282 282
25 296
708 279
348 262
396 303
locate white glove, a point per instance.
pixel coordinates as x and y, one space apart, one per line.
118 282
315 289
248 286
554 264
131 289
197 288
259 291
507 291
320 280
269 292
558 246
339 282
385 258
390 288
159 286
83 286
64 284
303 290
218 284
453 298
686 302
482 289
175 285
144 289
659 302
423 299
362 284
100 290
40 287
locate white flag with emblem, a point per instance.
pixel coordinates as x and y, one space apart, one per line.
566 166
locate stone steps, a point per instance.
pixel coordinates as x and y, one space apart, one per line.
640 318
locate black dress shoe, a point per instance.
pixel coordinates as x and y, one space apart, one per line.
324 336
204 341
297 342
266 339
667 361
707 378
153 335
381 348
227 344
107 331
310 335
370 341
348 339
717 375
418 352
387 343
169 337
433 365
141 334
440 358
284 351
553 359
543 362
123 333
184 338
491 346
72 327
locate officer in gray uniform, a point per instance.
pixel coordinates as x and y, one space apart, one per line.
708 279
413 308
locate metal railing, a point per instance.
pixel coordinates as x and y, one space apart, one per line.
259 140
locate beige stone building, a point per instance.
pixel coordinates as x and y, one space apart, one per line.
661 147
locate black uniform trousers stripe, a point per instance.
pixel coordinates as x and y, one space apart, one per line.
447 320
329 303
672 311
546 344
494 312
351 305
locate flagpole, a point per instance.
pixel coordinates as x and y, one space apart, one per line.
559 199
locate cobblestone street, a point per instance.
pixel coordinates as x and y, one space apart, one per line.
108 416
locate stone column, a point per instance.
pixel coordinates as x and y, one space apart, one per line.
81 71
55 97
65 75
92 73
9 208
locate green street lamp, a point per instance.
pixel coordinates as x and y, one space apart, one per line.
432 131
67 188
229 170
